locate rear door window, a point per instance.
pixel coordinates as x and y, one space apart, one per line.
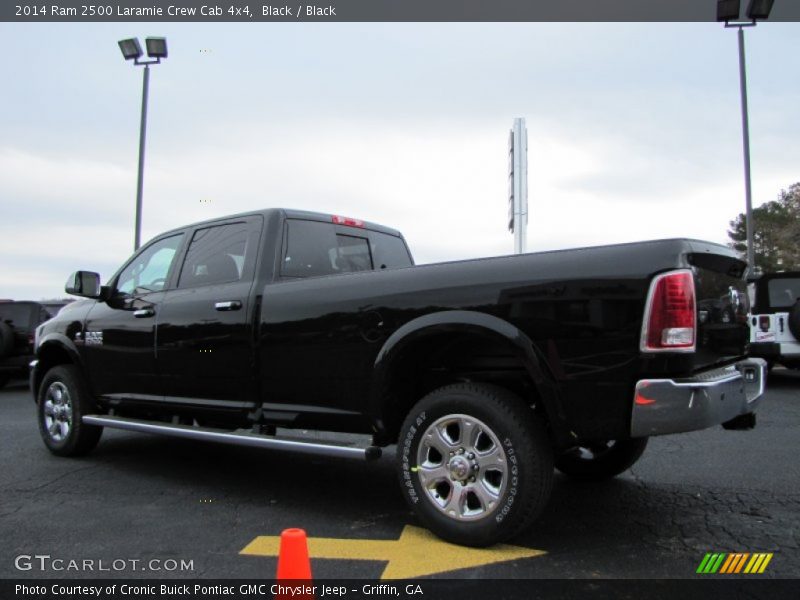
314 248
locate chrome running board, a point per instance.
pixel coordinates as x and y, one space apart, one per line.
238 439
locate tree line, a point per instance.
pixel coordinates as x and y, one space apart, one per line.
776 232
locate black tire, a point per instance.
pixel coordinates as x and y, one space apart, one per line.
503 475
6 339
4 379
61 403
602 461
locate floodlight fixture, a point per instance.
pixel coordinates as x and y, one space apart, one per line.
156 47
727 10
131 48
759 9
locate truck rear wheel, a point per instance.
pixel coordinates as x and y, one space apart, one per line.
475 463
600 461
62 401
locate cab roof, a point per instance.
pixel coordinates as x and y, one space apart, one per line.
286 213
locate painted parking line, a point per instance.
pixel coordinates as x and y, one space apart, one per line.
415 554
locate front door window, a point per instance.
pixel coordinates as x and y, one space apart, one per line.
149 270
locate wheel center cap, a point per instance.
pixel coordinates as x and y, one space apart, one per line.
459 468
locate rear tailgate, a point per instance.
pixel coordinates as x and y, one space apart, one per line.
722 305
707 380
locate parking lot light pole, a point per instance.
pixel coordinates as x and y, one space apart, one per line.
728 11
132 50
748 191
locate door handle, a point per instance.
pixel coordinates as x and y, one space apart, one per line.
143 313
228 305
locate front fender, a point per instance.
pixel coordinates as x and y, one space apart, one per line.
53 349
63 342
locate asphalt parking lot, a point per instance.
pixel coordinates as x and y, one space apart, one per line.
140 498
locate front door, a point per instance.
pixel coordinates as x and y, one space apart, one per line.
118 339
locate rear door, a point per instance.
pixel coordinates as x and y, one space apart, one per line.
777 296
314 345
205 333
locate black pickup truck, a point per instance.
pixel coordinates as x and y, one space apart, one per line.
485 373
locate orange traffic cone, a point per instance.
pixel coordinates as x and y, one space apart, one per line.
293 561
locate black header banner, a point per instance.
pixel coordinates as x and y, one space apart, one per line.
374 10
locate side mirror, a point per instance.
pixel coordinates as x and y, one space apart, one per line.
83 283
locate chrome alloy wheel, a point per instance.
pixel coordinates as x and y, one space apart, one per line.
57 413
462 467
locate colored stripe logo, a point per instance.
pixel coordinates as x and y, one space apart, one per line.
734 563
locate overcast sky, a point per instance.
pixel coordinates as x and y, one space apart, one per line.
634 133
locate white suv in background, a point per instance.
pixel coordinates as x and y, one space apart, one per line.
775 319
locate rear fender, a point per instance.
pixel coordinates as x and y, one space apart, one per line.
461 321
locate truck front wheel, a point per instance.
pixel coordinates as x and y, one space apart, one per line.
600 461
63 400
475 463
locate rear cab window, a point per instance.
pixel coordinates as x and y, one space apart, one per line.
389 251
776 292
783 292
316 248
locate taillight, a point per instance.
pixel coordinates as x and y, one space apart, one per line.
763 323
670 319
347 221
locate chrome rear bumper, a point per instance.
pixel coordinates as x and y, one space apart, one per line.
662 406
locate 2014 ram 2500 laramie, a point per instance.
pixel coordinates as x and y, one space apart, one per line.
486 373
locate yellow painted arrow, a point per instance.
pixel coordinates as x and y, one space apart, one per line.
417 553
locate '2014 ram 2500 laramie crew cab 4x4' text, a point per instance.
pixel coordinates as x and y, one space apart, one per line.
486 373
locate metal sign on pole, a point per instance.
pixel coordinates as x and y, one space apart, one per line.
518 184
